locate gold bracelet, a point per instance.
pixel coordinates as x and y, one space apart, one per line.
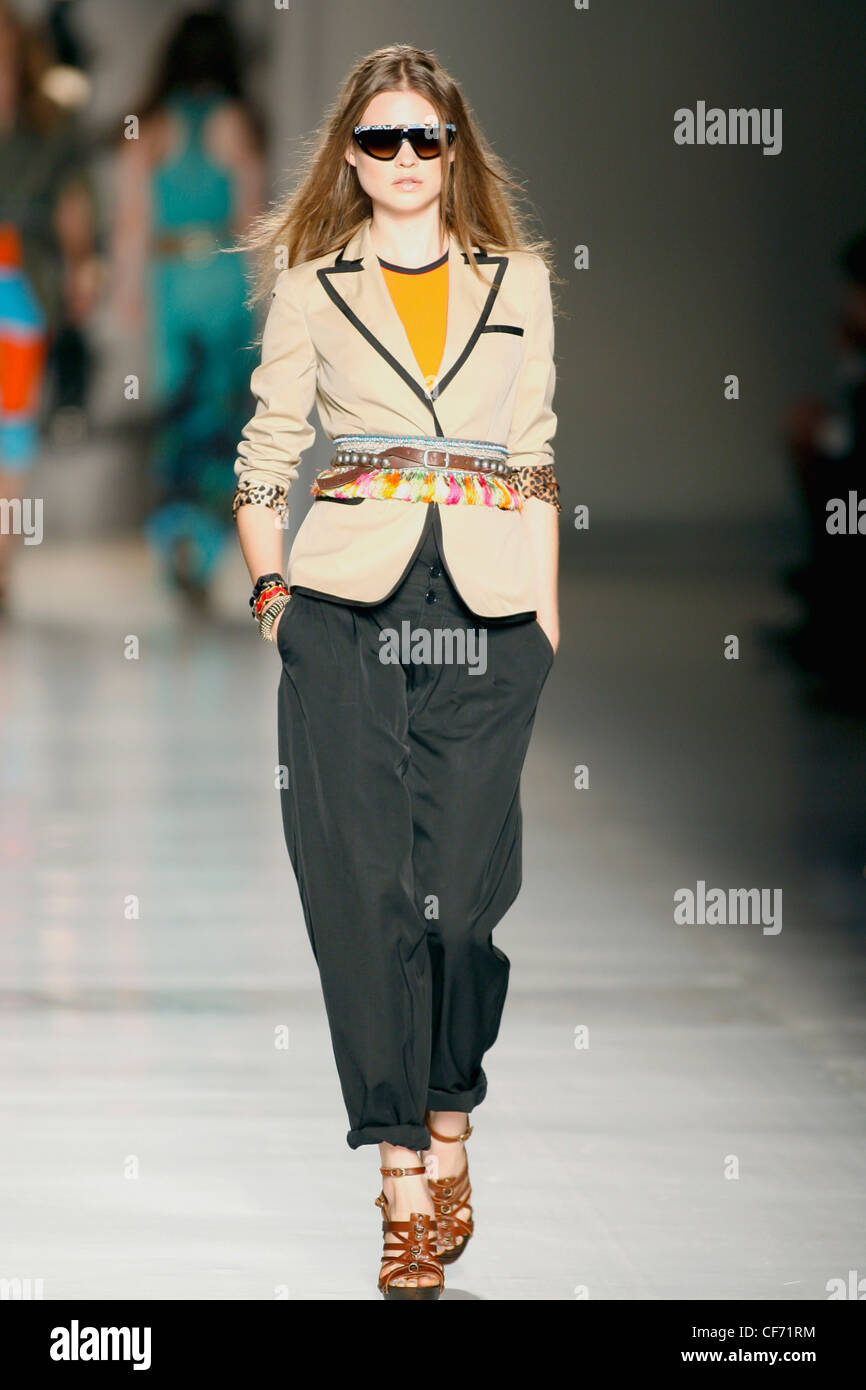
273 610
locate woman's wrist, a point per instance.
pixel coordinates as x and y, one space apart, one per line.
263 585
267 601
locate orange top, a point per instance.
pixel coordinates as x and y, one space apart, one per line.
421 299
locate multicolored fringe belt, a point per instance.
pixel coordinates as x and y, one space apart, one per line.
419 468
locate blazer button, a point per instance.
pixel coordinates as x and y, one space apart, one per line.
430 596
435 572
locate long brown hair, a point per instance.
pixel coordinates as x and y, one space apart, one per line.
478 201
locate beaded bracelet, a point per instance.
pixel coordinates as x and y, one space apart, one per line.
263 582
271 613
266 597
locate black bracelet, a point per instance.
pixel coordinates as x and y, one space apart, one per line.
263 582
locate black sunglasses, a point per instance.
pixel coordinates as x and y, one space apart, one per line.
383 141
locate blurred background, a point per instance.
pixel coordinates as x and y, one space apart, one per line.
151 934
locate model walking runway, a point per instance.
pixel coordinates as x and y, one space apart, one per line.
165 1076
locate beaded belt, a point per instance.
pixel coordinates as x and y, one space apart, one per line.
420 468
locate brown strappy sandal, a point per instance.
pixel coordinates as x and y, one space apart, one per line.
451 1195
412 1244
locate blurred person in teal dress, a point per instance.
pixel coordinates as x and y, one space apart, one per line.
190 182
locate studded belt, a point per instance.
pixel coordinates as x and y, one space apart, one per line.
417 468
350 463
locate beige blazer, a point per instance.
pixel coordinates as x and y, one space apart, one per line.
334 339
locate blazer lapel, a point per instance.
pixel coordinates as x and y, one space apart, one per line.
356 285
470 302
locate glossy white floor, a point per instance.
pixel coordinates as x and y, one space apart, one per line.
156 1144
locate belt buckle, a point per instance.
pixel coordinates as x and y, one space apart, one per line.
436 465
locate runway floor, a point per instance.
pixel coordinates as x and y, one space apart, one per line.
708 1143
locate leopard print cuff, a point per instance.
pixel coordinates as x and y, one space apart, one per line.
539 480
261 495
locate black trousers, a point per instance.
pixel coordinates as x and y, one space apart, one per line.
403 728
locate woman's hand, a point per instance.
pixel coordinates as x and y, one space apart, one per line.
261 539
541 521
276 623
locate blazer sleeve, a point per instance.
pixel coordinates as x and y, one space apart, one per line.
284 385
533 423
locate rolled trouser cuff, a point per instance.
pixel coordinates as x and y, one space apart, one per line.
402 1136
459 1100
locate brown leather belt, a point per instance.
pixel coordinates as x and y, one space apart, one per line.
349 466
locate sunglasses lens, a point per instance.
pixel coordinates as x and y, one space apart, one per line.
384 144
380 144
425 142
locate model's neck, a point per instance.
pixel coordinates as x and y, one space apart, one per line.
412 240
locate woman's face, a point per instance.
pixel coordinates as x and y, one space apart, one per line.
404 183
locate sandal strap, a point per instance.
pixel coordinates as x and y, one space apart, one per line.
411 1247
447 1138
454 1226
451 1195
401 1172
452 1189
413 1268
409 1243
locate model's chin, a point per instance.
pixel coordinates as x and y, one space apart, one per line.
398 199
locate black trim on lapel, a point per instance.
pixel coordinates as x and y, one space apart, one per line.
336 298
347 265
341 266
501 263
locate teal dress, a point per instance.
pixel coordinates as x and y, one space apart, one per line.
201 341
